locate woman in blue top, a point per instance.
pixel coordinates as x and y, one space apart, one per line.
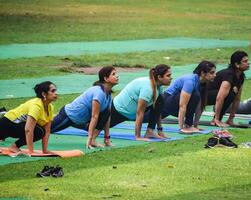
188 94
140 101
91 110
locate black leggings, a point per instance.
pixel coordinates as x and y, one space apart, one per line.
14 130
151 115
62 121
171 106
211 100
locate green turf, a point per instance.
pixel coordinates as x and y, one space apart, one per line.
77 83
14 51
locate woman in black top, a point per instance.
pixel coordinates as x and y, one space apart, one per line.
226 88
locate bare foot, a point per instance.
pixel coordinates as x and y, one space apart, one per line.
150 134
96 144
162 135
108 143
14 149
189 130
220 124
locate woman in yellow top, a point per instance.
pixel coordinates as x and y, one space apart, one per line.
30 121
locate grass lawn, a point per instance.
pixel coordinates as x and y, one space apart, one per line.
85 20
177 170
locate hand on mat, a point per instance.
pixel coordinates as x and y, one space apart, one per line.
230 122
108 143
47 152
14 149
150 134
189 130
218 123
162 135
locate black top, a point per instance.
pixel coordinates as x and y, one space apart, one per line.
229 76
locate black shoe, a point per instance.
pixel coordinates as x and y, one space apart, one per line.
3 109
212 141
58 172
227 143
47 171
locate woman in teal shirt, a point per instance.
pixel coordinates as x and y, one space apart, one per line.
140 100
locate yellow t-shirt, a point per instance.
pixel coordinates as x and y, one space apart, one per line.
34 108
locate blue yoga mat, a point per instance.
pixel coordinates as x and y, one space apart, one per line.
166 129
113 134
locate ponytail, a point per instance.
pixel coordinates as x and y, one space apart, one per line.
158 70
153 84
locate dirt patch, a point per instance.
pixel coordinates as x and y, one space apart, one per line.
95 70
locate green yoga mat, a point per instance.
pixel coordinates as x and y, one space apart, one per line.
78 48
61 142
77 83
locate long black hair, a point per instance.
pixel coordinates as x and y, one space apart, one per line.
204 66
103 73
158 70
42 87
236 57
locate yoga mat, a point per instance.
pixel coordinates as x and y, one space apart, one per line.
206 123
62 142
167 129
13 51
38 153
115 134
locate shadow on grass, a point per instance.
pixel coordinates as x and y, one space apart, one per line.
229 193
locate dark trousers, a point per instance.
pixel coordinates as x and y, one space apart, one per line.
62 121
211 100
171 106
14 130
151 115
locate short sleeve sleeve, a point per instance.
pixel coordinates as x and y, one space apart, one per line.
146 94
227 77
188 87
35 111
99 96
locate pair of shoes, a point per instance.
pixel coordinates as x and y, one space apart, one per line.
51 171
220 142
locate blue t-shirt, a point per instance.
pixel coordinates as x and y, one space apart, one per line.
79 111
187 83
126 102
